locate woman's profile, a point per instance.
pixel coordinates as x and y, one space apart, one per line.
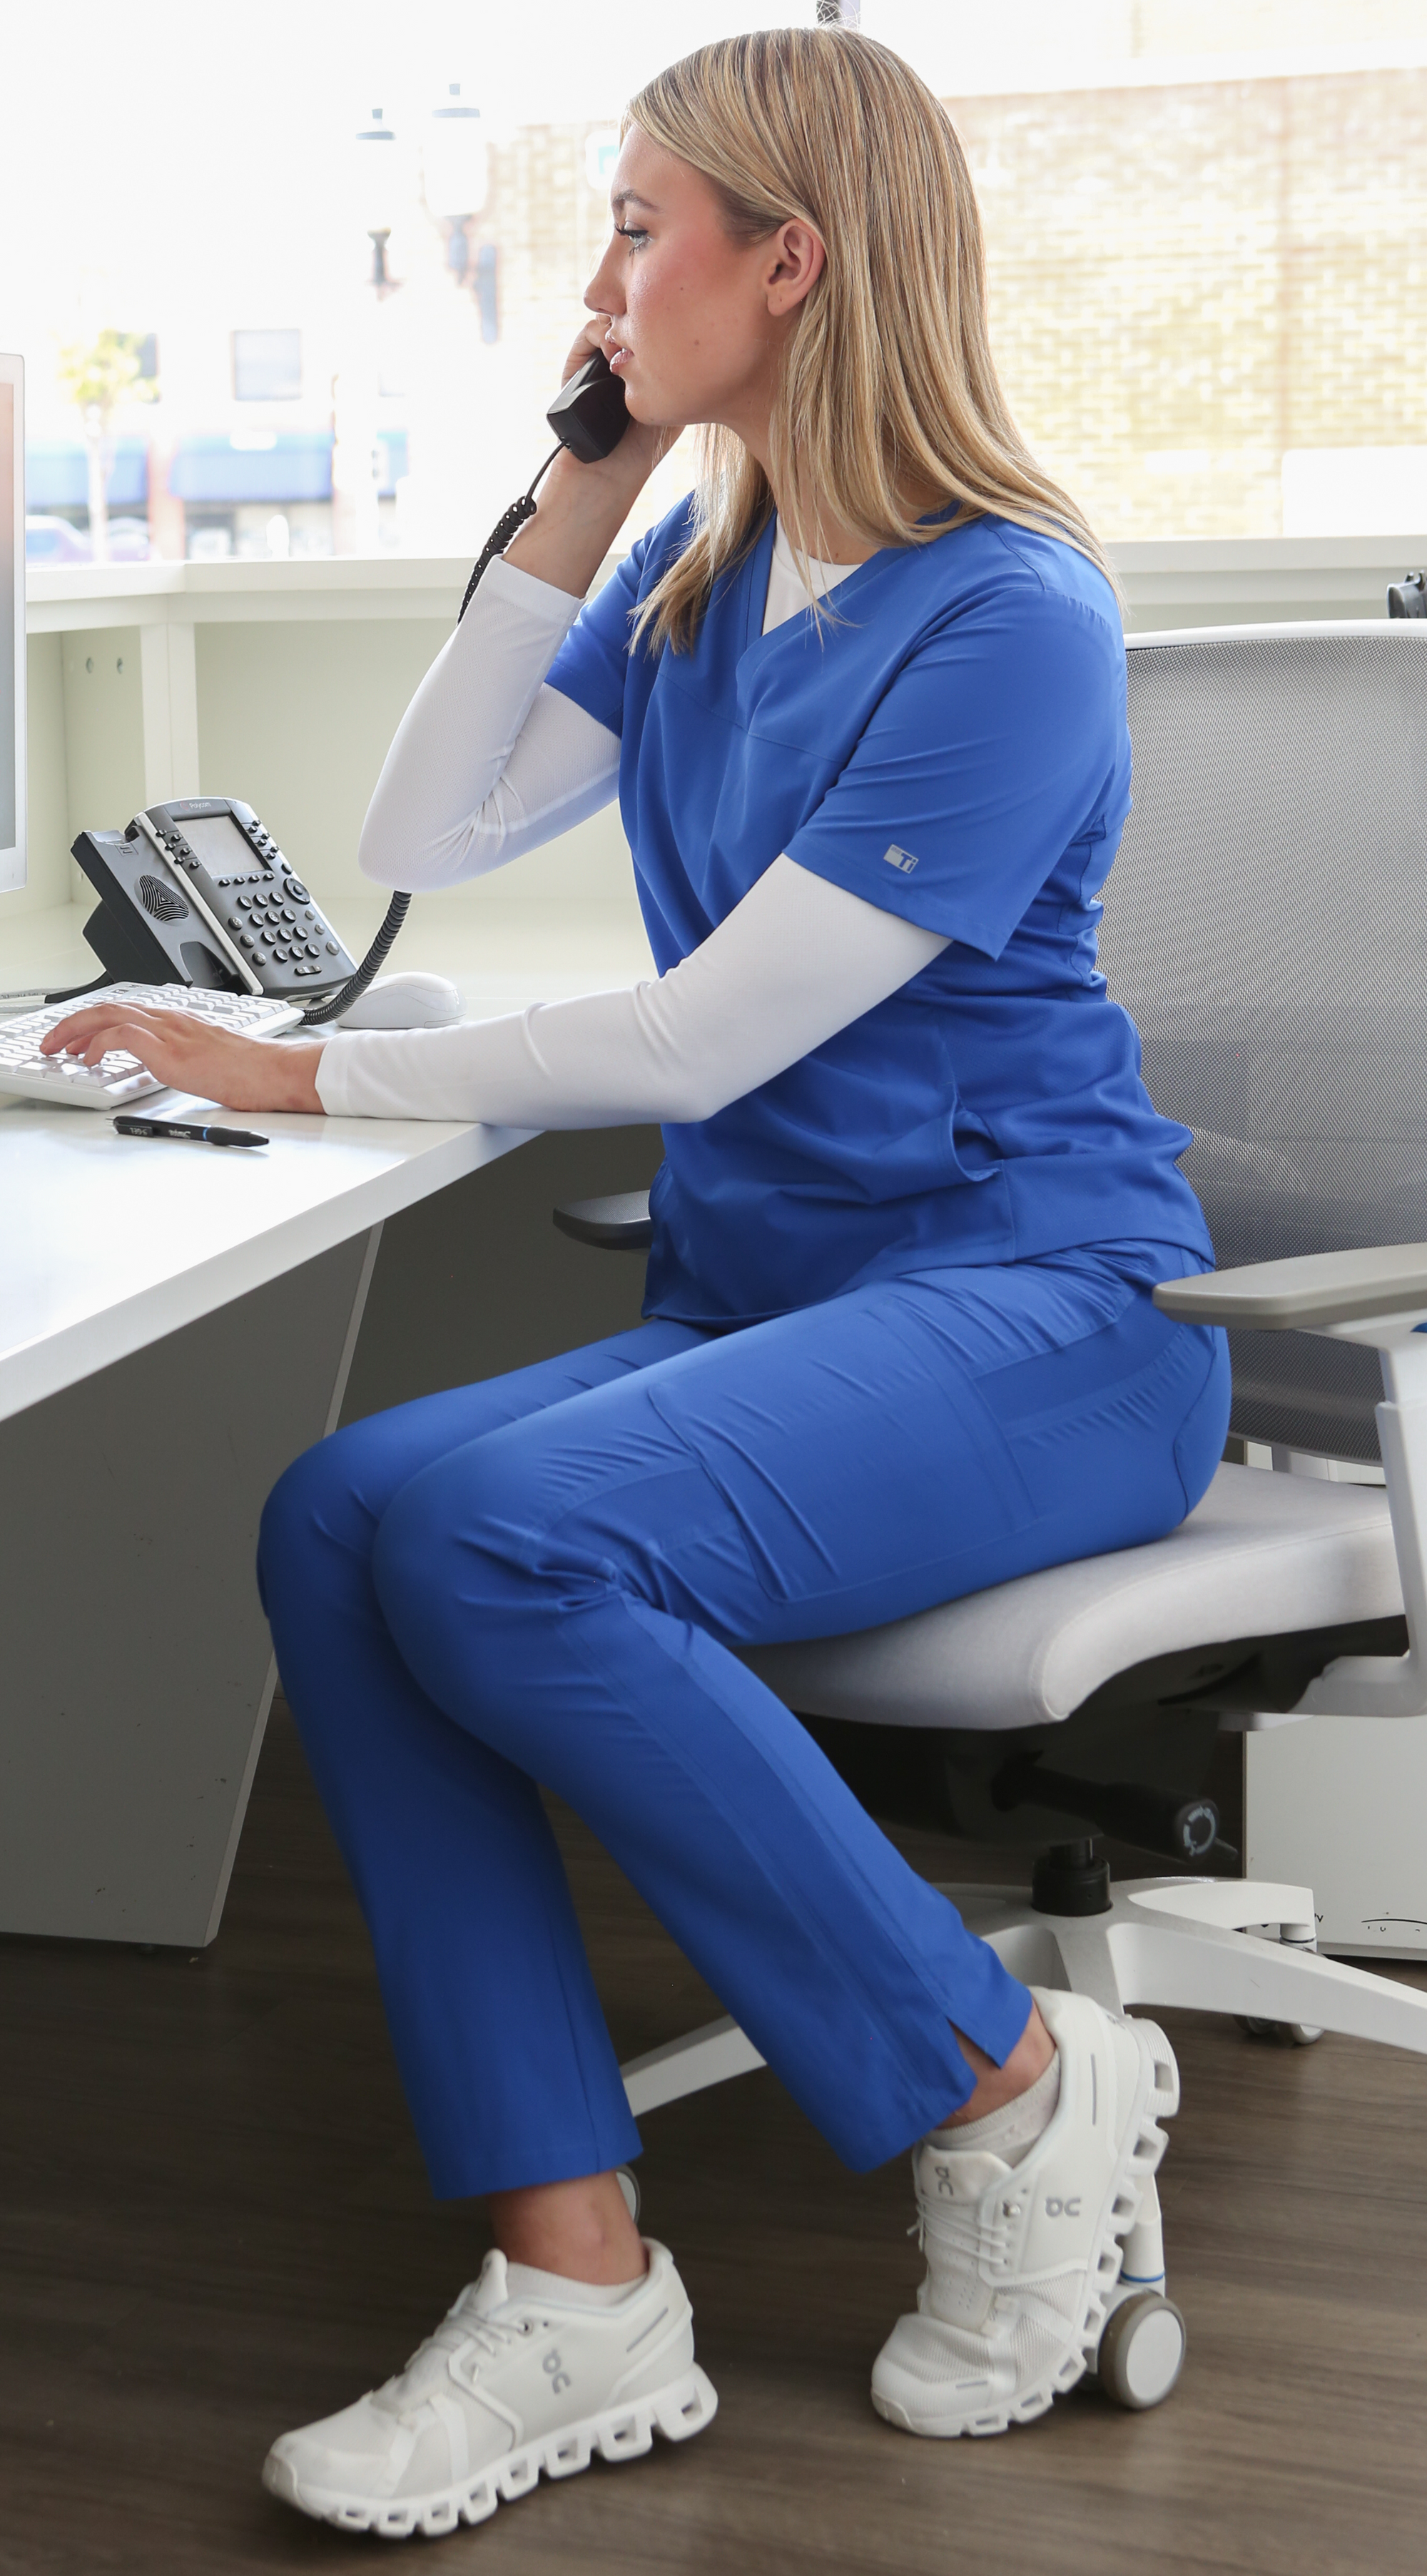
862 700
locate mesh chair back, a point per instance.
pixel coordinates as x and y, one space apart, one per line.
1266 928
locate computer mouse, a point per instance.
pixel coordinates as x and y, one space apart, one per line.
408 1001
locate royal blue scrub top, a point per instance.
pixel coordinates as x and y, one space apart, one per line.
953 748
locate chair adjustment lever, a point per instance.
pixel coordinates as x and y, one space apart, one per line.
1156 1820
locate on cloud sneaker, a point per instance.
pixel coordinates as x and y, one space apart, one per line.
528 2372
1020 2257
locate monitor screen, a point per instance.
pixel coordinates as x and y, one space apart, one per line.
12 623
224 850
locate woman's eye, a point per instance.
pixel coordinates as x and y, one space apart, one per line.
631 233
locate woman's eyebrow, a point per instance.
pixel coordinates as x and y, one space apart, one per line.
629 197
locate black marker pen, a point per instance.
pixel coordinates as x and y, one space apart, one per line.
185 1133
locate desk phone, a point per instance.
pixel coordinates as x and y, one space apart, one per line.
198 892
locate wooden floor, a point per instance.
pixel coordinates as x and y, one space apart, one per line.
213 2225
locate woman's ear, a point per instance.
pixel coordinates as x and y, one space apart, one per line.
796 260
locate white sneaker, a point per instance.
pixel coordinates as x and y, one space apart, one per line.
523 2375
1020 2257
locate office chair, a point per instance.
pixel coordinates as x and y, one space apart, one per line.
1266 927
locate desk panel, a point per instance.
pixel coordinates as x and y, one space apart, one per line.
137 1664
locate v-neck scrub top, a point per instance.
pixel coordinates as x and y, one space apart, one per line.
950 744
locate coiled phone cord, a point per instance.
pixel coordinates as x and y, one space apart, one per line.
506 527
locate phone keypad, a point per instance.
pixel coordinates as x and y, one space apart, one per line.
277 920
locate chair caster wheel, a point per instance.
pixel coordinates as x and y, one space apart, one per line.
628 2181
1280 2034
1141 2350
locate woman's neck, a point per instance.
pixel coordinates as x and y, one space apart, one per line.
826 538
829 540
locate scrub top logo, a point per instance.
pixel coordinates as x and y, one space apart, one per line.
902 859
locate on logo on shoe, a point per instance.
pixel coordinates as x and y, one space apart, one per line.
1063 2208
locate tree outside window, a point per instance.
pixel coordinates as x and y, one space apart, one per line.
113 369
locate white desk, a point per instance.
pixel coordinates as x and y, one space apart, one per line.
176 1324
111 1244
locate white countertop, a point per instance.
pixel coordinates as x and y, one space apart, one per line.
107 1243
111 1242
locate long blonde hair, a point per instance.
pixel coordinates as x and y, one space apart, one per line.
888 381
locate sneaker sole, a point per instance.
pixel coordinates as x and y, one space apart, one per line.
1157 2098
626 2432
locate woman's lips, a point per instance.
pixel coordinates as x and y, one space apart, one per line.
618 357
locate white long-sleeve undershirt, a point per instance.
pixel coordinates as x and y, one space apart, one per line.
487 763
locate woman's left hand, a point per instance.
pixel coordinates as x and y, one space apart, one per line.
179 1048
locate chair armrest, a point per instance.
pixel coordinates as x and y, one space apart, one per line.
1306 1294
1378 1297
620 1224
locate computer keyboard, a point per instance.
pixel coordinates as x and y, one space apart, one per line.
119 1077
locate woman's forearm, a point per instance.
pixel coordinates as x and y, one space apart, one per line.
579 512
487 762
796 961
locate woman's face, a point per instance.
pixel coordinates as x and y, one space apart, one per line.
697 320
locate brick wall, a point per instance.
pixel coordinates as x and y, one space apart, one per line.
1185 281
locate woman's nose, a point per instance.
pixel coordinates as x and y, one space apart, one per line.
599 294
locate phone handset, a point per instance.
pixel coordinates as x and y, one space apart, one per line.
589 415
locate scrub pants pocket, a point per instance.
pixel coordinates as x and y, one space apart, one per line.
924 1438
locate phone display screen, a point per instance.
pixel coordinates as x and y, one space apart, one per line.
224 850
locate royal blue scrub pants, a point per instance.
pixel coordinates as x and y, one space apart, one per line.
541 1578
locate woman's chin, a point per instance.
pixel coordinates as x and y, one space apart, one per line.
649 412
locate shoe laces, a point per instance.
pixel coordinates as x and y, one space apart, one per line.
462 2342
978 2233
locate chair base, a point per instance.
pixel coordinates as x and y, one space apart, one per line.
1224 1945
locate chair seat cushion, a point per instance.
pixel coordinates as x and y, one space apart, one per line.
1263 1555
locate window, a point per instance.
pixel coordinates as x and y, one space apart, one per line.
1206 227
267 366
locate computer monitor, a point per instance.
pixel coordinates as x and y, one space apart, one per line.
12 622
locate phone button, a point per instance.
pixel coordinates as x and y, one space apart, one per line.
297 890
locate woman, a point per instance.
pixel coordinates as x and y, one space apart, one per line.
864 705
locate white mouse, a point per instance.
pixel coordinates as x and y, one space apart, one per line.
409 1001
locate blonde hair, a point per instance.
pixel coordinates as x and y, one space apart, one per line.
888 382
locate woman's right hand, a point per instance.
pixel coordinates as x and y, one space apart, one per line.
178 1047
581 508
641 447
